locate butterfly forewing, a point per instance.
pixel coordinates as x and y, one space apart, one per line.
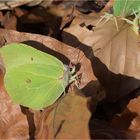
33 79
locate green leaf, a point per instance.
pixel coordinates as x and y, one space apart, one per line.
125 8
33 78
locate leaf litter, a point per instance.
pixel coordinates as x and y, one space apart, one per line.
107 106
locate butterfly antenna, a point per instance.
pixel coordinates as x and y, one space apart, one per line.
78 55
78 52
80 59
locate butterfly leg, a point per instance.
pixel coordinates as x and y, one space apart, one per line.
74 79
73 70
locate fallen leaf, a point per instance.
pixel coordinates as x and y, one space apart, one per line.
15 3
70 118
114 55
129 119
50 45
134 106
13 123
42 126
88 6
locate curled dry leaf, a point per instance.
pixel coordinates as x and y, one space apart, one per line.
69 109
134 106
7 4
62 51
43 3
4 4
13 123
70 118
129 118
114 55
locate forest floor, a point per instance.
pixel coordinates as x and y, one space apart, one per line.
107 103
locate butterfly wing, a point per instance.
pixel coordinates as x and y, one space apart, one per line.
32 77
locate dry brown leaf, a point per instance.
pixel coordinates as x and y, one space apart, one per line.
7 4
134 107
77 105
43 3
88 6
11 4
129 119
70 118
115 62
64 52
114 55
13 123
